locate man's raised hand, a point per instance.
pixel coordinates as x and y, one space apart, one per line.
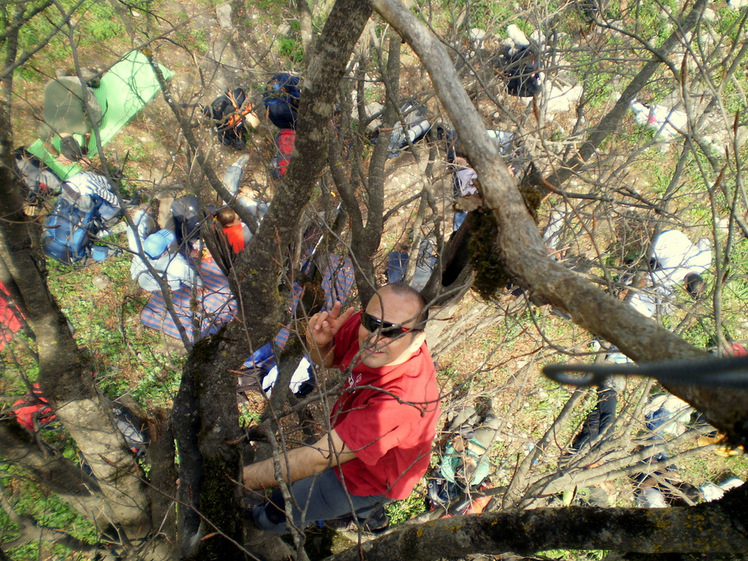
322 328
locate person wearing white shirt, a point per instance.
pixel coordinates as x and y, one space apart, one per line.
676 257
145 225
674 260
177 270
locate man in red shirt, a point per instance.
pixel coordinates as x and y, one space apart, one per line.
383 423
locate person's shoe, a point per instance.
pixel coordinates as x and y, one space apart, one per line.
251 502
338 524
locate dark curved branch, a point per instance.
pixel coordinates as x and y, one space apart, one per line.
715 528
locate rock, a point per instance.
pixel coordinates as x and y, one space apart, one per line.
562 100
477 35
223 13
372 109
723 225
101 282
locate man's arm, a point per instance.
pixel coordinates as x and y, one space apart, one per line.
320 334
302 462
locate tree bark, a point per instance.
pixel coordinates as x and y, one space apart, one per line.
64 375
716 528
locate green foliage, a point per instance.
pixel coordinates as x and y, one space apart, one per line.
272 6
655 16
136 150
101 319
47 510
96 22
291 48
248 417
99 23
8 528
400 511
193 39
31 550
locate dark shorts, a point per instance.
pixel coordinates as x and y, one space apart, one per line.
320 497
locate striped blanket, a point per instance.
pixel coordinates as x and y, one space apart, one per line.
218 306
215 308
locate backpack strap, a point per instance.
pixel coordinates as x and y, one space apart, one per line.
237 117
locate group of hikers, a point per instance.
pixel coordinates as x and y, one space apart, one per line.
384 421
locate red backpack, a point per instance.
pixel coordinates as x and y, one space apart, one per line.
33 406
284 142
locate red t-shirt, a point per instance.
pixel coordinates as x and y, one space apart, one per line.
235 235
391 437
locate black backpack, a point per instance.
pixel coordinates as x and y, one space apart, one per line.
187 218
227 112
521 69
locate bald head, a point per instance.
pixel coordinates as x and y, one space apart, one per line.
405 291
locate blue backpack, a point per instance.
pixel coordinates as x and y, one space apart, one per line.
68 231
281 97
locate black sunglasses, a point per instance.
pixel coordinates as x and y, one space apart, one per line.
384 328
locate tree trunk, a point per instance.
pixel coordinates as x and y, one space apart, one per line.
205 416
64 375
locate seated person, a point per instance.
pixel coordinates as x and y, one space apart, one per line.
177 270
145 225
465 463
86 190
233 117
383 423
675 260
236 231
231 180
39 180
465 190
70 108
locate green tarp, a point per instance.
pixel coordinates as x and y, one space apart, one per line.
124 90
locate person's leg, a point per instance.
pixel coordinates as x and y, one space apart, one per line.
607 399
233 174
321 497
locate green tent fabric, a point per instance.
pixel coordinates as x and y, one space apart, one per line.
125 89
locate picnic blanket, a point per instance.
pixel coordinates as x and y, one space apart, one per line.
215 308
125 89
218 306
